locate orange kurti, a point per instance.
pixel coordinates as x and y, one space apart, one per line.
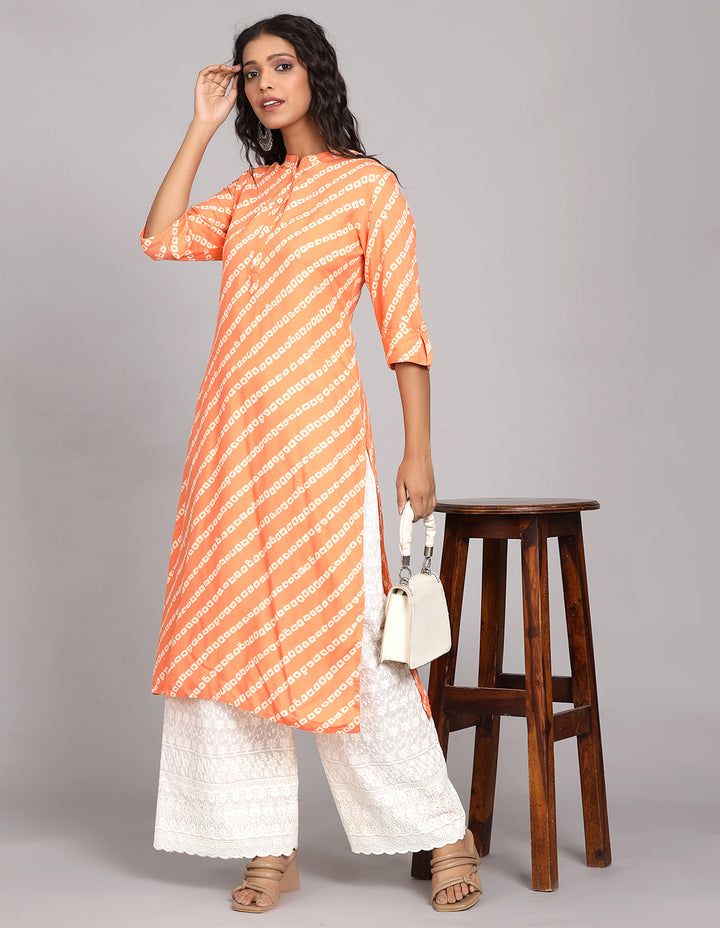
265 598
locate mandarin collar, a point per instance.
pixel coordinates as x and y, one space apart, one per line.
308 160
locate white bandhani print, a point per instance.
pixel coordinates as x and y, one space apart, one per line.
228 784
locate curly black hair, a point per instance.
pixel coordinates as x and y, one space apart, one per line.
328 105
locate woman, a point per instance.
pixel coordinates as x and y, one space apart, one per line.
278 572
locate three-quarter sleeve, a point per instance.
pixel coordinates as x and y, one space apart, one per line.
391 275
197 235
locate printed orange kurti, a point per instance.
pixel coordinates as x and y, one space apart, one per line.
265 599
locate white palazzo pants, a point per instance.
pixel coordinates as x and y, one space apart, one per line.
228 784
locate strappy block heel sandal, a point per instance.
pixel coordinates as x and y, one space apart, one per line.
263 876
470 860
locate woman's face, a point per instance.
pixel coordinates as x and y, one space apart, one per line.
274 75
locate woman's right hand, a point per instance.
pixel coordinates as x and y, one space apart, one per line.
212 107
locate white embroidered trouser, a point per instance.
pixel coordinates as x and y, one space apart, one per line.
228 784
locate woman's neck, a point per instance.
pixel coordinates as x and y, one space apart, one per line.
303 139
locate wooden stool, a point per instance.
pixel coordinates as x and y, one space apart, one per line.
531 694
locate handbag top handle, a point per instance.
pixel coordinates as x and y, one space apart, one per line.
406 524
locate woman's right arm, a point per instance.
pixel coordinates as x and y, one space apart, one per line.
212 107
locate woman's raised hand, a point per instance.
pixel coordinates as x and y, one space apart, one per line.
212 106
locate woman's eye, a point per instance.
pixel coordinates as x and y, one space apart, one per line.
283 66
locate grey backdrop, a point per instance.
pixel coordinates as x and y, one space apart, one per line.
560 159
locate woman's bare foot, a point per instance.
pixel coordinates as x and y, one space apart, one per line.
246 896
455 892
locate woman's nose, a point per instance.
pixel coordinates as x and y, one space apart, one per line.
265 82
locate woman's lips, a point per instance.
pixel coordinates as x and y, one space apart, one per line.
272 105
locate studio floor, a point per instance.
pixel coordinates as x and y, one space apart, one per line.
88 860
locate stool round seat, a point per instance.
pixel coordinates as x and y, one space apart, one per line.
514 505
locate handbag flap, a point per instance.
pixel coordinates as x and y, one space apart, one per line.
396 628
430 631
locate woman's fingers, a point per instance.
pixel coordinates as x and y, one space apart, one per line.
415 481
422 509
232 93
220 67
219 75
211 103
422 503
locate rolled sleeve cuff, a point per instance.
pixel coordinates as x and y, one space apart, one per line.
411 346
157 246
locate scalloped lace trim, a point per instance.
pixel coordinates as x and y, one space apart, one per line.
201 847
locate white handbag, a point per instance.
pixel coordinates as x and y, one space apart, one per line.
416 627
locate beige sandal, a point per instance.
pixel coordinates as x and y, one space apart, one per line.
469 859
260 875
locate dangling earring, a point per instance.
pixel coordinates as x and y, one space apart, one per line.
265 137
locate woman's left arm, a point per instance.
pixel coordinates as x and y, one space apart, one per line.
415 478
388 239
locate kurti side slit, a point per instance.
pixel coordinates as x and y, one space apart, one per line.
264 601
228 782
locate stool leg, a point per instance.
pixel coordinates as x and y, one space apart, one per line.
541 762
487 731
582 661
442 669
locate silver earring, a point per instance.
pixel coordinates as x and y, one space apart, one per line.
265 137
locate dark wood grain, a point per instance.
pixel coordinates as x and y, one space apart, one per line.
530 694
571 722
487 730
541 759
519 505
582 662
